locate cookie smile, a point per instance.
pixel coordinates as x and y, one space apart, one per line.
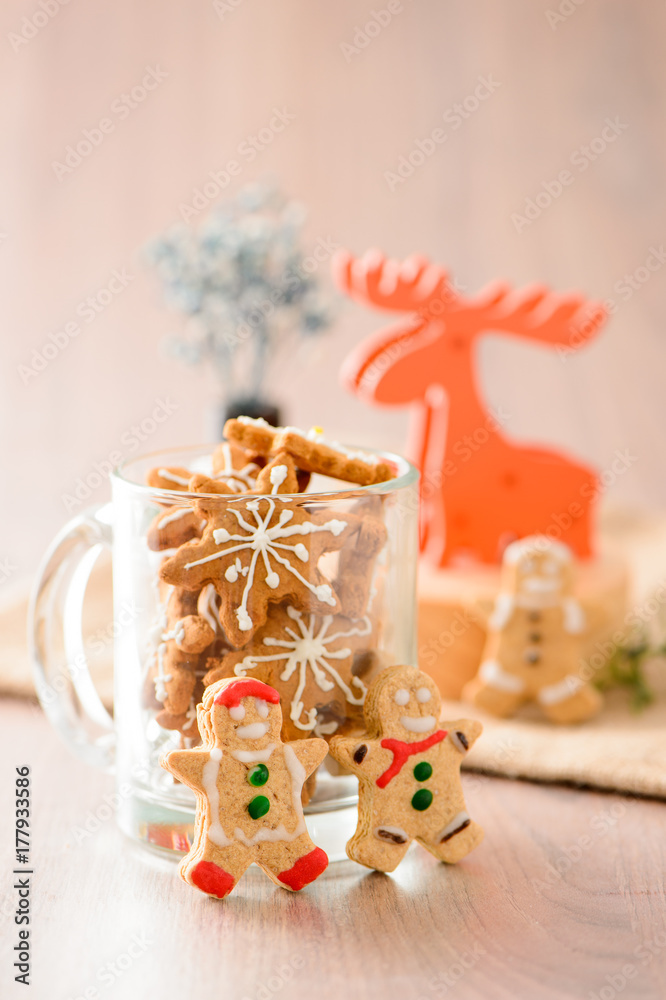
419 723
253 731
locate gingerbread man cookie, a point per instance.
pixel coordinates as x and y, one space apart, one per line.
248 786
533 649
256 551
408 766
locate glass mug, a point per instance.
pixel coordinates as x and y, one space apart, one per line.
152 807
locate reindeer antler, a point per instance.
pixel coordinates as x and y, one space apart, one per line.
410 286
534 312
422 288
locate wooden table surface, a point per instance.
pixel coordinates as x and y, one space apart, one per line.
565 898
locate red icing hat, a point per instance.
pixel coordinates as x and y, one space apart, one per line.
246 687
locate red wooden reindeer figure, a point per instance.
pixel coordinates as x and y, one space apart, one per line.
475 500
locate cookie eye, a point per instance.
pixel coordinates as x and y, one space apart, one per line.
261 707
528 566
237 712
423 694
401 697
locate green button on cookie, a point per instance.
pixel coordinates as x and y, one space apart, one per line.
258 775
260 805
423 771
422 799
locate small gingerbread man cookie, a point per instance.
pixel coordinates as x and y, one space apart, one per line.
248 785
533 649
408 767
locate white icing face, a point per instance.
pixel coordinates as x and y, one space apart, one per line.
252 720
542 570
418 706
261 707
419 723
253 731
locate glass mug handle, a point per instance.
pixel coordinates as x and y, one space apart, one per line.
62 677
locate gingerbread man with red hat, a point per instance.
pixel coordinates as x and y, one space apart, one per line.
248 785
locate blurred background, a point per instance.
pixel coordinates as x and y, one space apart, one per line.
330 100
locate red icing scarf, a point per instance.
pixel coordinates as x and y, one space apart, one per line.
402 751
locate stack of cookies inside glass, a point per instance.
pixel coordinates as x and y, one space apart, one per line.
259 578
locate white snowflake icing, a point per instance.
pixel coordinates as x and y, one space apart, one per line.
309 646
262 542
238 480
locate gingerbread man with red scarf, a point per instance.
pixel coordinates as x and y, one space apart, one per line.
408 766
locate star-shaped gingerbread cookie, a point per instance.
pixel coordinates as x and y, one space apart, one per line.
309 659
259 550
